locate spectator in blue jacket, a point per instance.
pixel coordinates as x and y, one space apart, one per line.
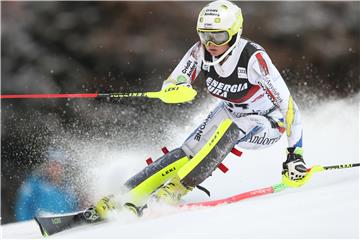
45 190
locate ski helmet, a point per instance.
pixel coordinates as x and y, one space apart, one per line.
219 22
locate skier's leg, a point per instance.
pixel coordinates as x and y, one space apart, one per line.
155 175
184 168
206 160
202 164
207 146
249 132
139 187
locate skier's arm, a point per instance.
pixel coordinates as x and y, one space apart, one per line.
269 78
188 68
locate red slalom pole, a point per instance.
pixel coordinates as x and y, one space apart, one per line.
59 95
242 196
268 190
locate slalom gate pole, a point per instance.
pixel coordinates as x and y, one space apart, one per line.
242 196
265 191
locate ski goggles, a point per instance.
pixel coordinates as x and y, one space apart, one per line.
218 38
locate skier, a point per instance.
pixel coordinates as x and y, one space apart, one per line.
256 108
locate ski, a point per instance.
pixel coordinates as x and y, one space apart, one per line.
55 224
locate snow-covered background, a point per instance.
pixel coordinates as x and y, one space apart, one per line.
326 207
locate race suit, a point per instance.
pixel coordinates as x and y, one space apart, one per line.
254 101
253 94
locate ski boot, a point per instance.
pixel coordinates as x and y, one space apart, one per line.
108 203
104 205
171 192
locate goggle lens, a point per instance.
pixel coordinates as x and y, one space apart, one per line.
218 38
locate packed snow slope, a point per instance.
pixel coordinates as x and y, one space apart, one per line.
326 207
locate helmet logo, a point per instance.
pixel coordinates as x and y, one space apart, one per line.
212 12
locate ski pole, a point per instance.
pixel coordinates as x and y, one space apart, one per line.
171 94
315 169
341 166
80 95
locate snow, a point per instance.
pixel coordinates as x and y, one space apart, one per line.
326 207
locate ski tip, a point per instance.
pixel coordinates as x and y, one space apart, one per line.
42 229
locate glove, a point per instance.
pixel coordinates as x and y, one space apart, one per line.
104 205
294 168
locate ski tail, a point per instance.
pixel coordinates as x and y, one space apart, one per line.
55 224
42 229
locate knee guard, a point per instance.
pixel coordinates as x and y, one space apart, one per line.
155 175
211 154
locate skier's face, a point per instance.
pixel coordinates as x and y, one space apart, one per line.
216 50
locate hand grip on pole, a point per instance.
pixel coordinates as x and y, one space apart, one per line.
315 169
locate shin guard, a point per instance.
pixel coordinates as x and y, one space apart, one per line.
155 175
211 154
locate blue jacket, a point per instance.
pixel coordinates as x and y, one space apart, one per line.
38 195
